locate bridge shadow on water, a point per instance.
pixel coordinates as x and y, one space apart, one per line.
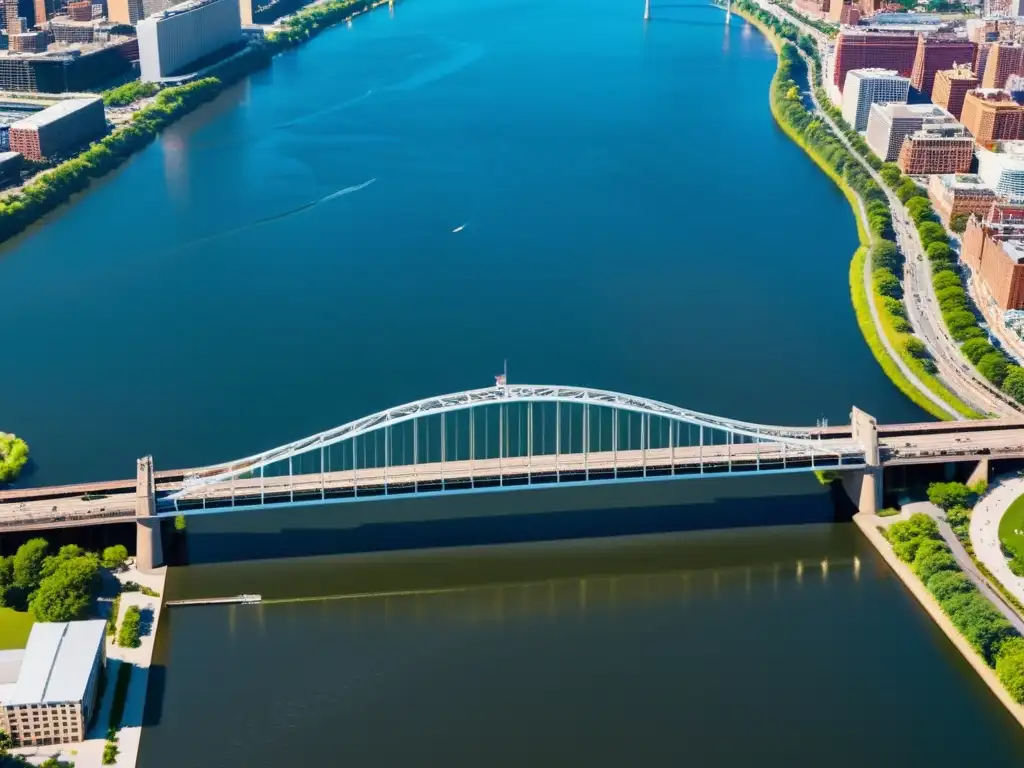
549 514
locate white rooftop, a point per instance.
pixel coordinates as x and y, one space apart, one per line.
10 666
57 111
57 662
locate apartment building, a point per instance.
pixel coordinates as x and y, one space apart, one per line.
1004 59
942 148
992 115
865 87
890 124
873 51
950 88
955 194
1002 169
935 54
48 690
996 255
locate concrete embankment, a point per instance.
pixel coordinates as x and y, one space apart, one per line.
869 526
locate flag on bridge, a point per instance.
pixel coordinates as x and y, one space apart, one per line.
500 380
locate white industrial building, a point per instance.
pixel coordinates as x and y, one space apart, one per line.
1003 170
48 691
172 40
864 87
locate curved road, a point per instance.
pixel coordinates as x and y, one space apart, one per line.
921 302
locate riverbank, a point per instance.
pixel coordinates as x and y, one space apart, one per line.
869 319
869 525
52 188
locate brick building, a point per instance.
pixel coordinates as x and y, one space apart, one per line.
64 126
951 86
873 50
944 148
936 54
995 253
1004 59
844 12
992 115
954 194
80 11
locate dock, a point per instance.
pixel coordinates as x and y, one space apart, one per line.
236 600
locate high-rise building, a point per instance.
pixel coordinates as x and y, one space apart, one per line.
955 194
873 51
64 30
951 86
992 115
48 691
125 11
935 54
890 124
844 12
1003 170
80 10
864 87
28 42
66 125
1004 59
172 40
942 148
996 255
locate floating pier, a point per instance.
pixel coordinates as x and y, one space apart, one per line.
242 599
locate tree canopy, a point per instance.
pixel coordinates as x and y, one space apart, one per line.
13 457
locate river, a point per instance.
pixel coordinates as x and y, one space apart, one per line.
628 217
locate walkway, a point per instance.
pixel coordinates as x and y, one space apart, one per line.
984 532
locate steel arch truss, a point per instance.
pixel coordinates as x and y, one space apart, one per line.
800 441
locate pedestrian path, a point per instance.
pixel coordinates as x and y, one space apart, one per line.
985 532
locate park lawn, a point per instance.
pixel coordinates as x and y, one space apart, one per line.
1013 520
14 628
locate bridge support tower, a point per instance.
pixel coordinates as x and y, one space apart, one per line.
865 486
148 546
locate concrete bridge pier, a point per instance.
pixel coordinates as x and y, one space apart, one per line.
979 473
149 552
865 487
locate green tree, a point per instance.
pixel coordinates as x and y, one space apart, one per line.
891 174
959 320
945 584
1010 668
945 278
952 299
920 209
993 367
28 564
66 594
67 552
908 535
928 566
906 189
939 251
131 628
6 580
6 743
13 457
886 284
1013 382
949 495
885 256
931 232
975 349
114 557
914 347
959 223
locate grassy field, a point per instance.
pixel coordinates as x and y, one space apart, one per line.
14 628
1012 521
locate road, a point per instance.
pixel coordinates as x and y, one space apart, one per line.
921 302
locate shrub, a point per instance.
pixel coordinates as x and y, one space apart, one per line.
131 628
908 535
1010 668
13 457
945 584
914 347
110 751
888 512
926 567
1016 566
949 495
1013 382
114 557
959 223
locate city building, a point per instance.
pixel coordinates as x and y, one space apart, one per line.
173 40
844 12
64 30
28 42
77 67
813 8
10 164
939 148
66 125
992 115
1002 170
864 87
1004 59
48 690
995 254
935 54
955 194
873 51
951 86
125 11
80 11
890 124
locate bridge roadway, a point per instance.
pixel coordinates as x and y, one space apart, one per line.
68 506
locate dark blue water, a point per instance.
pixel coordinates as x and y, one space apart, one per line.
633 220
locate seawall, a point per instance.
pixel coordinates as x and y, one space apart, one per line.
868 526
